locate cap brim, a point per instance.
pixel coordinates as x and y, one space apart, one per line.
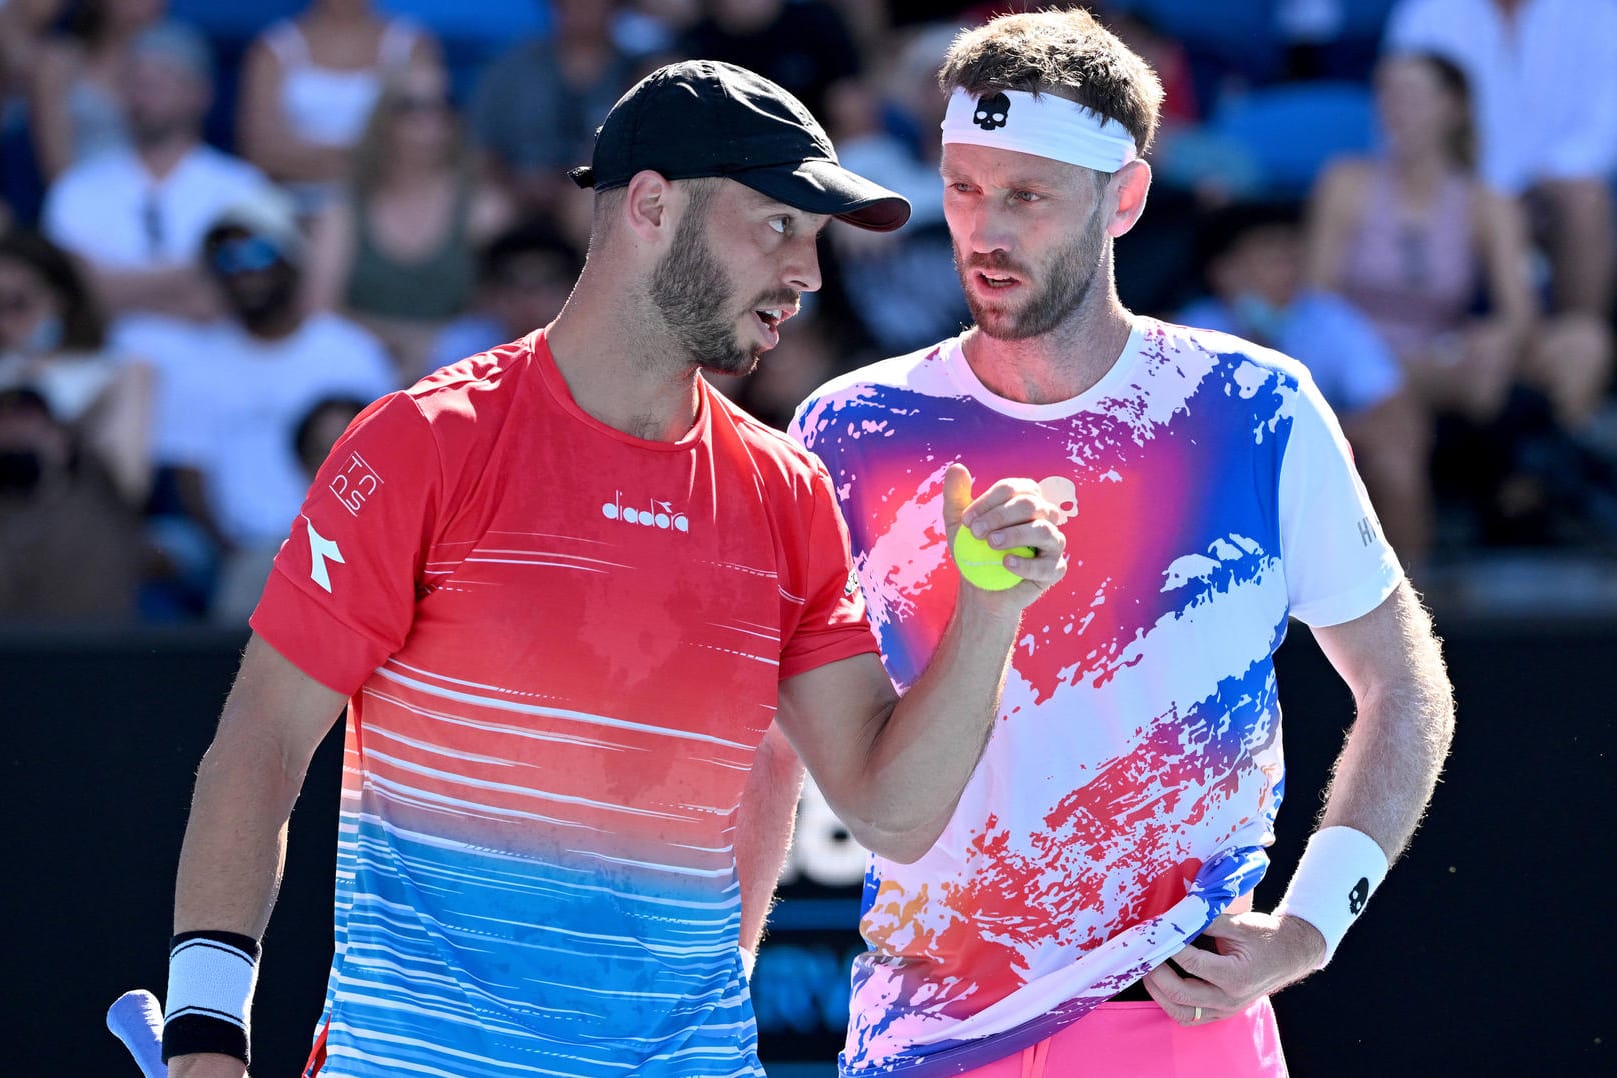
820 186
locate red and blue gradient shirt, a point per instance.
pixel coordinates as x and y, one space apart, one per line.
1129 788
562 645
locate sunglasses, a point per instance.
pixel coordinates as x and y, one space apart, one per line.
250 254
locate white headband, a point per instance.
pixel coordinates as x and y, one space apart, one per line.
1044 126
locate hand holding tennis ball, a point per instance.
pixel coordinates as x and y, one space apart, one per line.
1014 509
983 565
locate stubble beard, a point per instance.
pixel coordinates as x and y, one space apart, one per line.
1070 275
691 291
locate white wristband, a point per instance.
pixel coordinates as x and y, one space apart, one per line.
748 961
211 976
1339 871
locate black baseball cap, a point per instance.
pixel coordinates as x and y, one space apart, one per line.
707 118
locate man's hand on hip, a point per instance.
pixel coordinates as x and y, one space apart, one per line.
1258 954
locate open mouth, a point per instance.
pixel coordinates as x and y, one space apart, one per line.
770 318
996 281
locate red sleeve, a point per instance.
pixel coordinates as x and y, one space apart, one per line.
831 622
342 595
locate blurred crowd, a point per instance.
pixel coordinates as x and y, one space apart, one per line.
224 229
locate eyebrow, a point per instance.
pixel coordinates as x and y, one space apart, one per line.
815 223
1015 182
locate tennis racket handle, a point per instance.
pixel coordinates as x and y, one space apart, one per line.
137 1020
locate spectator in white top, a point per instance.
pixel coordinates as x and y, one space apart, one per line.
309 84
234 393
136 216
1544 76
75 98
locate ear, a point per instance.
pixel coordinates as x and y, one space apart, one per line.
1128 186
648 206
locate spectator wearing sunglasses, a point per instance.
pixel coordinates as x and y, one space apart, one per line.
309 84
235 390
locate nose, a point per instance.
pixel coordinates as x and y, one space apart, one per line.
802 270
987 227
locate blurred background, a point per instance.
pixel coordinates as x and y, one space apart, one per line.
225 228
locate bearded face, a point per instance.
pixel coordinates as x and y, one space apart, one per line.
702 307
1055 286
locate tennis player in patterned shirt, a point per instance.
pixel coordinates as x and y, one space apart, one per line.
1088 908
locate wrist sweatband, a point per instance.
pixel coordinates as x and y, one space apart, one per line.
1339 871
211 976
749 959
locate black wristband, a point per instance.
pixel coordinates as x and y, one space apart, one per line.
188 1034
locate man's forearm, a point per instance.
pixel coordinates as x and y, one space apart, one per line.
929 742
1388 769
230 865
235 844
1384 776
764 827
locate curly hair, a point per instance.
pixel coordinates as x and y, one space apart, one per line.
1064 53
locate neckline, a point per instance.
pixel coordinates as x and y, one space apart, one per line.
960 372
538 346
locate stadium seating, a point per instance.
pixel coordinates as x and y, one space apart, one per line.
1292 129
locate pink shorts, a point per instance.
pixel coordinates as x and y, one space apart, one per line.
1139 1040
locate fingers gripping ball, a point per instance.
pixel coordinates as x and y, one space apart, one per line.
983 565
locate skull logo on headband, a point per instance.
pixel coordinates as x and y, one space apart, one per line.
1047 125
992 112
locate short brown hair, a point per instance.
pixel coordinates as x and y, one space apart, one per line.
1065 53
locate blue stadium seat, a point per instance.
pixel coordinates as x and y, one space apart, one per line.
1365 18
238 21
1292 129
471 35
494 23
1220 37
491 22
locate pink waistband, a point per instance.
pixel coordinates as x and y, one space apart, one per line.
1139 1040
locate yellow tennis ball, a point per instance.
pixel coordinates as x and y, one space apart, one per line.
982 564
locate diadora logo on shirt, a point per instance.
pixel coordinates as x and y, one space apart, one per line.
653 514
321 552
